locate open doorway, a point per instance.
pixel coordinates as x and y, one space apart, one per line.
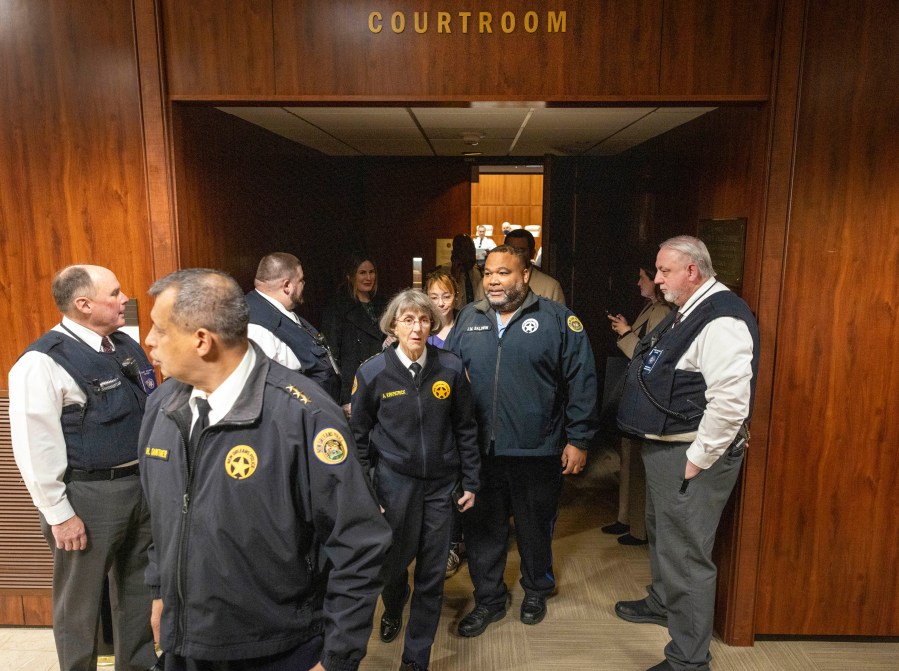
503 199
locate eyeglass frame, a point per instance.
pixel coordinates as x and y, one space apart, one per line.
409 322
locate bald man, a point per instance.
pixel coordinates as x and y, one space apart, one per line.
76 399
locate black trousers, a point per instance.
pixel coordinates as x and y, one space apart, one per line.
420 514
301 658
528 488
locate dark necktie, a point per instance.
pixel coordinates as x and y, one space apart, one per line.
201 423
106 345
415 369
680 315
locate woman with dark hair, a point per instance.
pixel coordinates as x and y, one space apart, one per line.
631 522
350 321
413 421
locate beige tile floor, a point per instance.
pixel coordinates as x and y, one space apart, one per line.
580 631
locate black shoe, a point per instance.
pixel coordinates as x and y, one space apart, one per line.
390 628
627 539
479 619
411 666
391 625
616 529
533 609
661 666
638 611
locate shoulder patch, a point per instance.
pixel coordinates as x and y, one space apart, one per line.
575 324
355 383
330 446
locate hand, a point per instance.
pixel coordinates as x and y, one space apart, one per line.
573 460
466 502
318 667
619 324
691 471
347 410
155 618
70 535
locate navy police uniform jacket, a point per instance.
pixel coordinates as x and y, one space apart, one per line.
534 388
237 531
424 430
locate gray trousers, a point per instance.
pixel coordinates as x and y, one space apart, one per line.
117 522
681 521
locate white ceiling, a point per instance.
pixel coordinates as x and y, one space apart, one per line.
500 129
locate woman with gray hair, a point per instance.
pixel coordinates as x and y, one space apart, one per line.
413 422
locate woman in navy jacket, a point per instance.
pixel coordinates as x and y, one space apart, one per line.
413 422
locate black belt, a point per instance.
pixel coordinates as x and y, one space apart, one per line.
74 475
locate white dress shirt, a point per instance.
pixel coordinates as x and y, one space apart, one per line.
481 247
226 394
39 388
406 361
273 346
722 352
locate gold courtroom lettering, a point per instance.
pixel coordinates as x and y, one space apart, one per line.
556 22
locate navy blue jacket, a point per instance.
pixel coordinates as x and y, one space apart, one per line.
425 430
534 388
237 531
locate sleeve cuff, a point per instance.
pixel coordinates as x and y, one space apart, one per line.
700 458
58 513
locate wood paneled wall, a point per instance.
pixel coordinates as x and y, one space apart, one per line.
72 181
830 541
408 204
72 186
517 199
610 49
244 192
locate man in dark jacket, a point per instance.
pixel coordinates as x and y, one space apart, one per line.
281 333
249 472
534 384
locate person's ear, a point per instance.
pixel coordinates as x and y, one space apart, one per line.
203 342
82 304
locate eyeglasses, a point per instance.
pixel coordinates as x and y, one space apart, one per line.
408 322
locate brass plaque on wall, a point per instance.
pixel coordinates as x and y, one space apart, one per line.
726 240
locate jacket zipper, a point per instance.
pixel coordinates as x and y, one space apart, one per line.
179 569
185 520
499 354
421 431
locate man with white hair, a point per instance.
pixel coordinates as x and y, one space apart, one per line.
688 395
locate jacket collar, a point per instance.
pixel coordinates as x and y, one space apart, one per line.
248 406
